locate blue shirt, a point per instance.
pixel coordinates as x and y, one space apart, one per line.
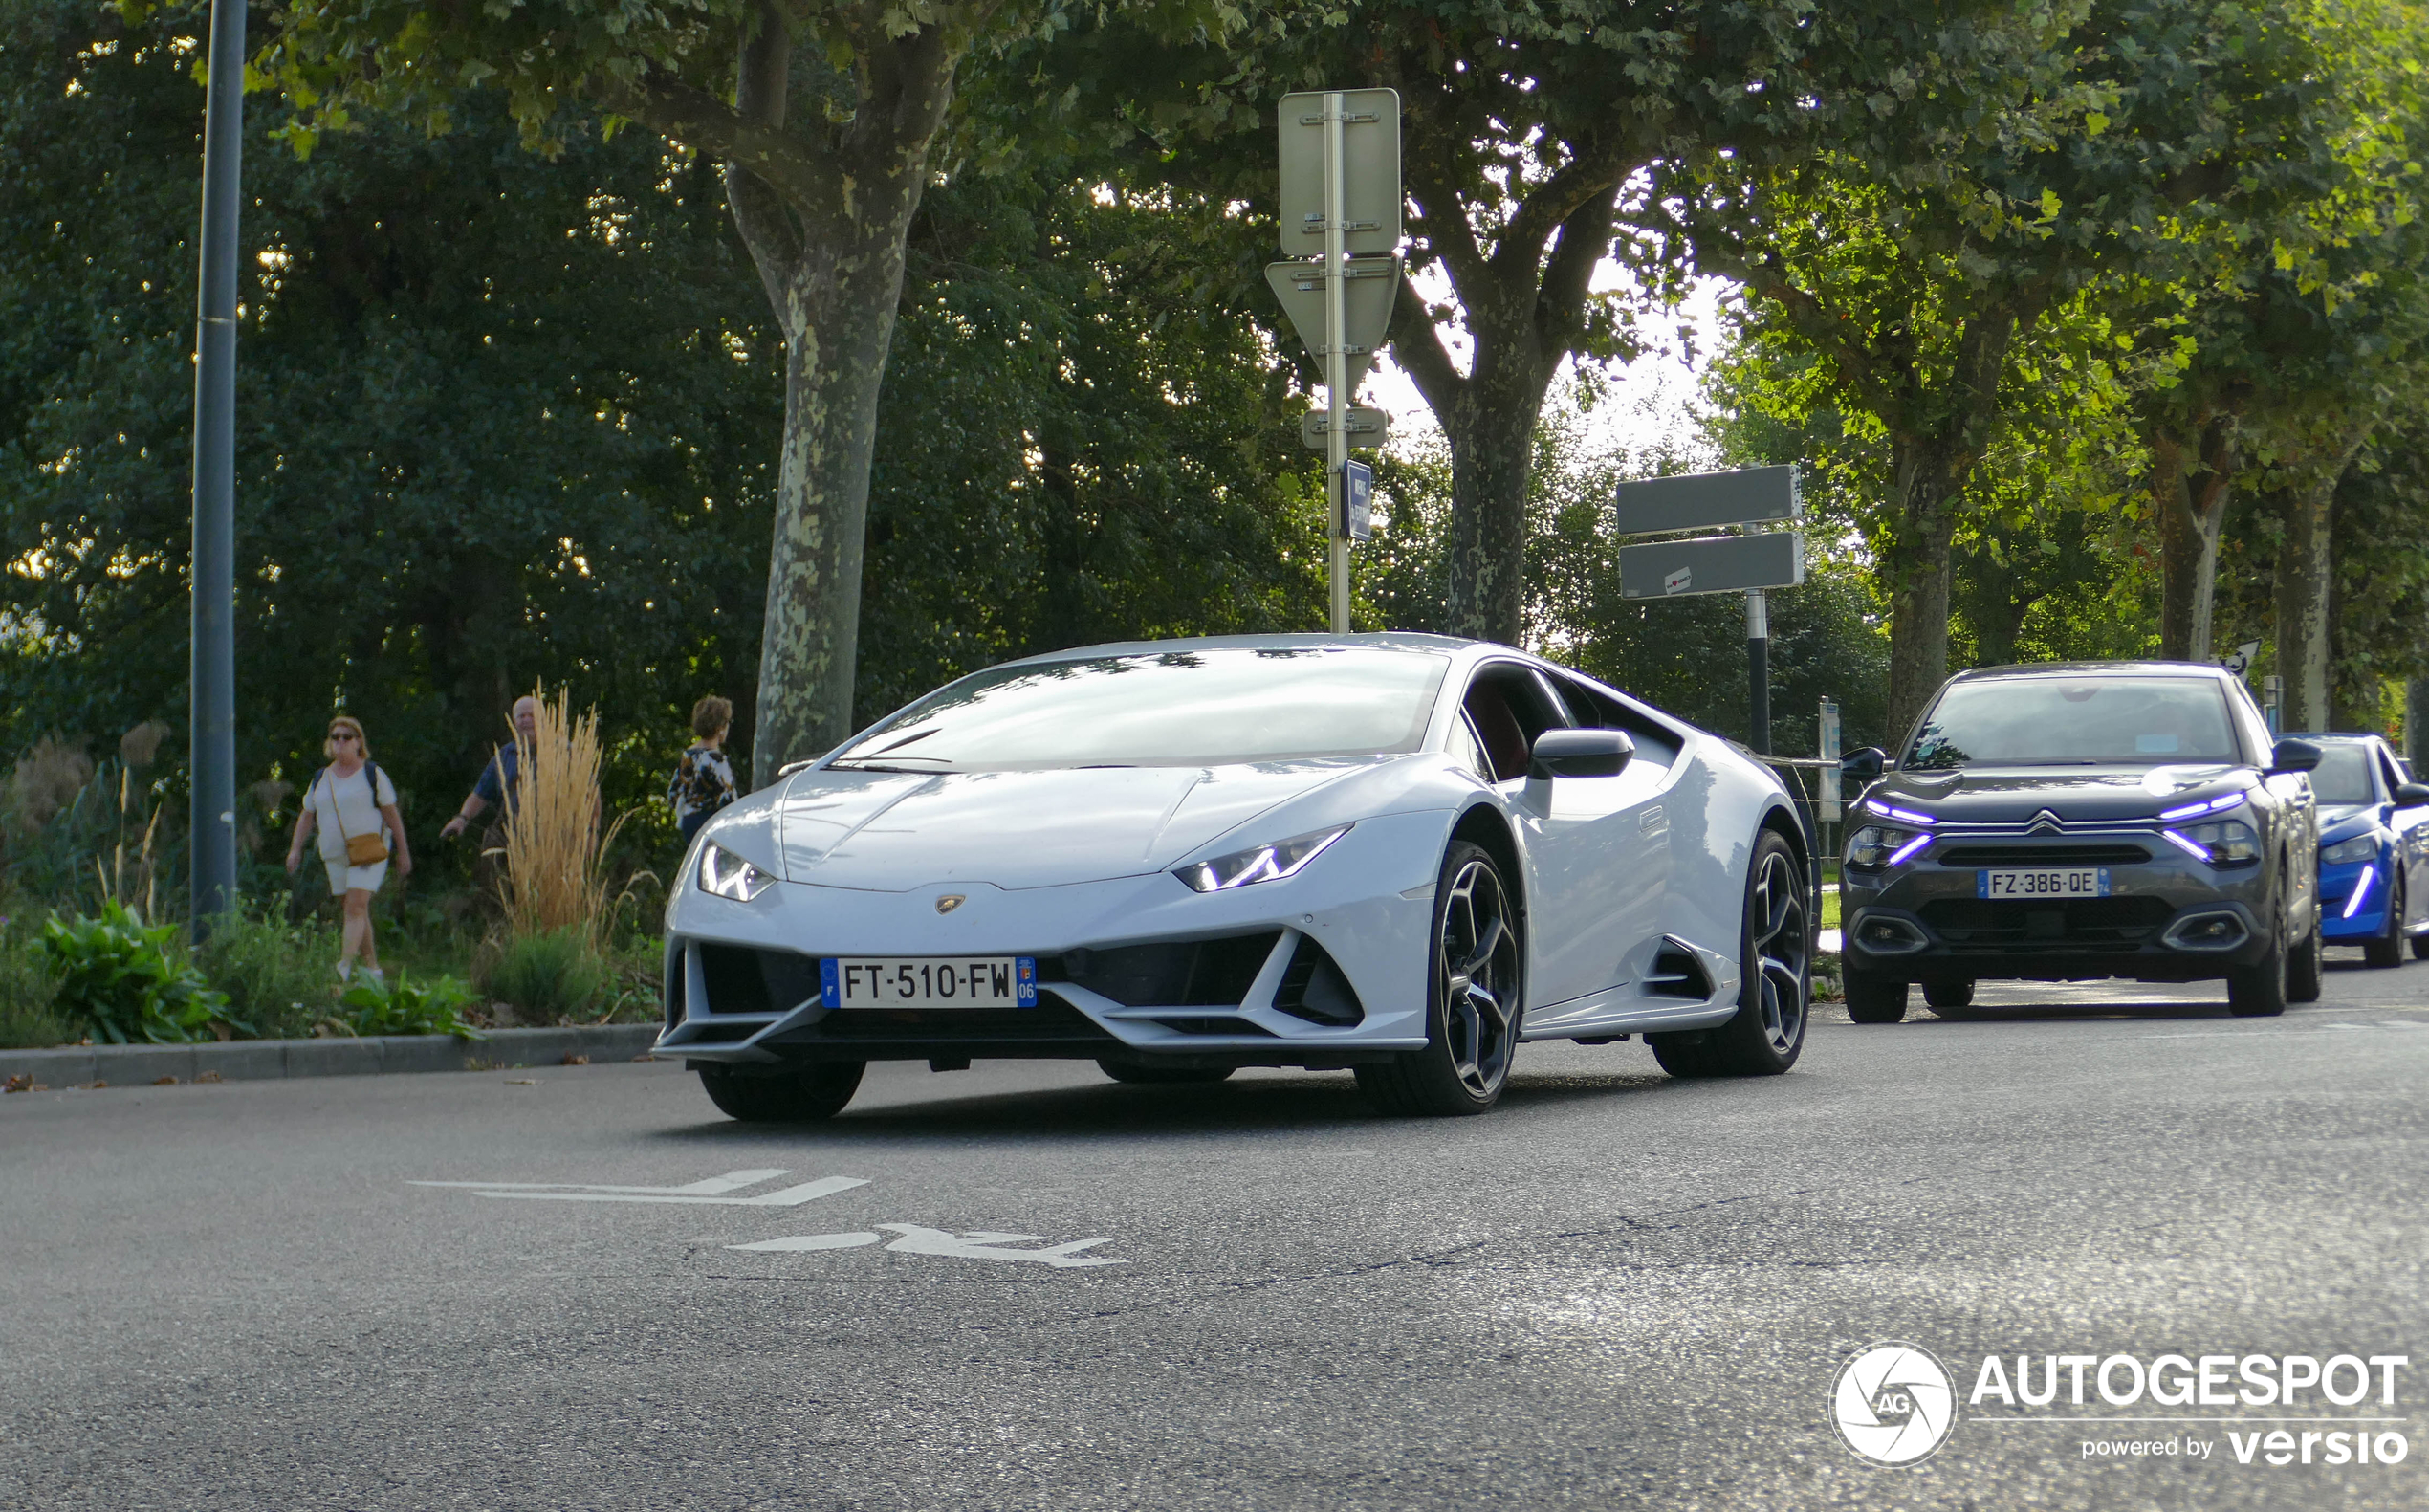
498 778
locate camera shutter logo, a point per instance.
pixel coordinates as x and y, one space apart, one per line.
1894 1404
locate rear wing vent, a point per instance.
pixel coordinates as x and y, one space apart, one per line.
1677 974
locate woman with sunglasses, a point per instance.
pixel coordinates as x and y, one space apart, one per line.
354 806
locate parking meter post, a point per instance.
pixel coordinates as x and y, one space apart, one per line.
1337 360
1758 672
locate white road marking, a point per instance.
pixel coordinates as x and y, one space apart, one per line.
970 1244
814 1241
696 1193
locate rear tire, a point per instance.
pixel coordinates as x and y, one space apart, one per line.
1872 996
1137 1075
2389 951
1775 958
804 1097
2259 991
2421 946
1477 989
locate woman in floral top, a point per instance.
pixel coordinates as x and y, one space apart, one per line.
704 781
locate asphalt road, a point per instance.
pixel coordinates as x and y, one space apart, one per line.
1619 1290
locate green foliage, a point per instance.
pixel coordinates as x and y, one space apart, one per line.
548 976
27 989
277 975
401 1005
118 978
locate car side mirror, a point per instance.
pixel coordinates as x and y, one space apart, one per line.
2293 756
1579 753
2412 795
1865 764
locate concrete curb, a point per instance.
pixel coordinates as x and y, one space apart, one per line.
260 1060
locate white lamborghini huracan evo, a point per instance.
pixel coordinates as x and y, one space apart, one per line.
1398 854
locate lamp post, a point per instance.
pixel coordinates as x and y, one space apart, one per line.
212 836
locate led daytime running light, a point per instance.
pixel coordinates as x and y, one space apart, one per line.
1900 854
2194 849
1284 858
2207 806
1907 815
2362 891
726 875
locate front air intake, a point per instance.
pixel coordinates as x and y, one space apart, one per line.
1314 988
1677 974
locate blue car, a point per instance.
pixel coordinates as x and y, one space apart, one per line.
2374 850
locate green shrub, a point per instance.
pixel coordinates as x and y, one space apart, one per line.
26 987
117 979
553 975
278 977
403 1006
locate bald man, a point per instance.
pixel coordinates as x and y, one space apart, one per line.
498 778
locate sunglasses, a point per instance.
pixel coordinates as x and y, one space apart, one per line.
343 734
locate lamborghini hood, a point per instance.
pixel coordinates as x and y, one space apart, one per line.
890 832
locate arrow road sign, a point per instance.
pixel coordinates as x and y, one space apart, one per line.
1371 158
1712 564
1368 291
1367 428
1702 500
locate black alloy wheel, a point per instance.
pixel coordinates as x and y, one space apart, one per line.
790 1096
2390 950
1776 957
1477 977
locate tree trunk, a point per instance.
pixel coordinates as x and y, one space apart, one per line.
2303 587
2417 724
1931 473
2190 497
1491 452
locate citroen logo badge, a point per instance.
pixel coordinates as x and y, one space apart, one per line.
950 902
2047 822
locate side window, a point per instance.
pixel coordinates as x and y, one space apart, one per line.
1592 709
2249 718
1466 747
2388 778
1509 706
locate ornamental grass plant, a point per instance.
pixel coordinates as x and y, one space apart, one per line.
555 875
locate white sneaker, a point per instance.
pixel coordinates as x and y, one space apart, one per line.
345 971
375 974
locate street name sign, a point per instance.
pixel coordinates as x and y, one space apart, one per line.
1370 180
1706 500
1669 569
1357 497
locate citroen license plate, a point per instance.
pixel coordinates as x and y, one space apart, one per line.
929 981
2044 882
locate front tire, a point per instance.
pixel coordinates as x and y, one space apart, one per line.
2302 967
806 1097
2259 991
1872 996
1476 986
2390 952
1776 961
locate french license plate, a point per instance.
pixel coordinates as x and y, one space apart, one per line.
2051 882
930 981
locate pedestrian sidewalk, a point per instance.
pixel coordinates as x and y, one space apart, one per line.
258 1060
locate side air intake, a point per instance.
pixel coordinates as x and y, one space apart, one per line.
1313 988
1677 974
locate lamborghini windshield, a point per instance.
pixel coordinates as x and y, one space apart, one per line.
2075 721
1205 707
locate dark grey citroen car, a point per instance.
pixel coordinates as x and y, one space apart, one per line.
2078 821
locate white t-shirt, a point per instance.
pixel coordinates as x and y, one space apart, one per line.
334 797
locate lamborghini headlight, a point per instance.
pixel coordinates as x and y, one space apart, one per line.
1284 858
728 876
2363 847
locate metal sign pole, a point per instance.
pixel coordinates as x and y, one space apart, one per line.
212 844
1759 671
1336 358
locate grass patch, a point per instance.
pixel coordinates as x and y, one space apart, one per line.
281 979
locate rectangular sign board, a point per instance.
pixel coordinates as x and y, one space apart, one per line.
1668 569
1370 178
1357 501
1705 501
1366 428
